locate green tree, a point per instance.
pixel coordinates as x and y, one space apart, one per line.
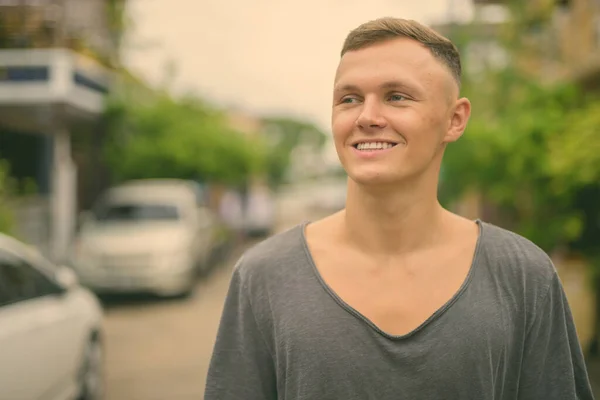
284 134
179 139
6 192
531 147
509 157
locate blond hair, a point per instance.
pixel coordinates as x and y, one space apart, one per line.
388 28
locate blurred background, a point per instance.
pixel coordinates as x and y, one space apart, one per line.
145 144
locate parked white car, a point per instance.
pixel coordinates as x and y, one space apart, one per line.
50 330
146 236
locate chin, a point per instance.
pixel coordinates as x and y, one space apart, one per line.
379 175
374 178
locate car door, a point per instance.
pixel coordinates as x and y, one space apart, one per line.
36 324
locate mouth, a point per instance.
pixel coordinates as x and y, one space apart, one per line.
373 146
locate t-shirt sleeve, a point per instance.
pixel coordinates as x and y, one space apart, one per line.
553 364
241 366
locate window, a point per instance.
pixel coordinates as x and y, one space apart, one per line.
19 281
137 213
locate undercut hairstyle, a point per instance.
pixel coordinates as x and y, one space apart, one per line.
388 28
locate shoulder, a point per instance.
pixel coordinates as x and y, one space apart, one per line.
516 260
274 257
264 273
507 246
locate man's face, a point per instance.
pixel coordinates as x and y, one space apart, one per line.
394 108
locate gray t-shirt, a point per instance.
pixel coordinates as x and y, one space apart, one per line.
508 333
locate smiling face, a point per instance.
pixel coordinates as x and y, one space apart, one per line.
395 107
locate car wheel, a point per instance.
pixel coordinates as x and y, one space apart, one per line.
91 374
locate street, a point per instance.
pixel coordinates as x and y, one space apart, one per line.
160 349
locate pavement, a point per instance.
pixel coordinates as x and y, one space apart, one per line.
159 349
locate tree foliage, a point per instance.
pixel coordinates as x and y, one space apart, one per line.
187 139
531 150
6 193
285 134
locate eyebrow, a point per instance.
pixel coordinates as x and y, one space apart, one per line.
386 85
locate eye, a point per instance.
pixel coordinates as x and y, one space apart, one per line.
396 97
348 100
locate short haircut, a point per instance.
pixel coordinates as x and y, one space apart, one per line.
388 28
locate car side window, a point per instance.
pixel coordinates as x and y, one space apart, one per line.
19 281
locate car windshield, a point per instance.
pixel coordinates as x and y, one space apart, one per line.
137 213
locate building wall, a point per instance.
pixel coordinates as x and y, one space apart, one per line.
47 219
577 31
78 24
567 42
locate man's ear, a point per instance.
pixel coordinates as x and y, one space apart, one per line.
458 120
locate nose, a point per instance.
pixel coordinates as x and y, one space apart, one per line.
371 116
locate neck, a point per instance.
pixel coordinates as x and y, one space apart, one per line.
393 220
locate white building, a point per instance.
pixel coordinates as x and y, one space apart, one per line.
50 96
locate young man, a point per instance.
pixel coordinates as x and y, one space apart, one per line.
395 297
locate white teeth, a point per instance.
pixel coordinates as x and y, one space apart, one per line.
374 146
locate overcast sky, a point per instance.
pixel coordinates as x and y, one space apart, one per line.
262 56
